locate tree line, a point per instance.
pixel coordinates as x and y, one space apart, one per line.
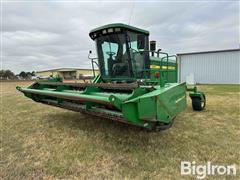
8 74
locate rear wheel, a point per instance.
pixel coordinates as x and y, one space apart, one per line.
198 104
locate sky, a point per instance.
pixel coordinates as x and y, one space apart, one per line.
39 36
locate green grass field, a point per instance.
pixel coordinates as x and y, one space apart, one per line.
39 141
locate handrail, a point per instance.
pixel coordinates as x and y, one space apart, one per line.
158 53
176 66
92 61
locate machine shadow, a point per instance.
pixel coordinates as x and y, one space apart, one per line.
90 123
109 129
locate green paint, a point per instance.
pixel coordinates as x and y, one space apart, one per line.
156 100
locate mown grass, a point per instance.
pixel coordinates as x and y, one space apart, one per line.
38 141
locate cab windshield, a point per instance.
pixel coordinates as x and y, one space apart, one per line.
120 57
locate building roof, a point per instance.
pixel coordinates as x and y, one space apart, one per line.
120 25
204 52
63 69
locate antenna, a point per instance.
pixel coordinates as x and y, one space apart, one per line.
131 12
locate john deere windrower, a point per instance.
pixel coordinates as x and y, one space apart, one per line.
136 85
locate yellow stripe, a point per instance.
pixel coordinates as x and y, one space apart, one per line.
164 67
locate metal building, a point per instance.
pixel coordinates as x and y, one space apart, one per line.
66 73
210 67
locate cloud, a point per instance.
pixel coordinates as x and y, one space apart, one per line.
45 35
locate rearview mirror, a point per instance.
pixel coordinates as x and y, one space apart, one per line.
90 52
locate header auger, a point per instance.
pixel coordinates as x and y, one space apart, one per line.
136 85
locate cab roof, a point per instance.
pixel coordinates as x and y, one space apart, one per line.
119 25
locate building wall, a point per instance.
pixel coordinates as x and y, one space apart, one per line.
55 73
68 74
211 68
85 72
47 73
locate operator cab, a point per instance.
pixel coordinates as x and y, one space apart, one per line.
122 52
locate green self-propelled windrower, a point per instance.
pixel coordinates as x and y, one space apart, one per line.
136 84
